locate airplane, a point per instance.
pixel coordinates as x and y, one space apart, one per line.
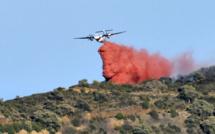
100 38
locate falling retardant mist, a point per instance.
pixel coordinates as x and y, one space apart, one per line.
123 64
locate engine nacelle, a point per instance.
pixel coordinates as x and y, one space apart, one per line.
108 36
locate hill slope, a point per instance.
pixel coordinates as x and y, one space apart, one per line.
165 106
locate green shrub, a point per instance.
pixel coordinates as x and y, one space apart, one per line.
119 116
153 113
208 126
201 108
82 90
163 103
205 92
100 97
83 83
95 84
92 126
64 109
127 127
37 126
188 93
9 128
174 127
117 128
192 121
199 78
190 131
145 105
173 113
59 89
18 126
28 126
142 129
56 95
49 119
69 130
81 104
76 122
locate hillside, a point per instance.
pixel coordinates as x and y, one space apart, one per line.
183 105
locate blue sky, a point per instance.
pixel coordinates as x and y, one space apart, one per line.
38 52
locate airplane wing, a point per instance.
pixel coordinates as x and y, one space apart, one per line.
117 33
82 38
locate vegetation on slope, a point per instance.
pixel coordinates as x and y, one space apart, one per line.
165 106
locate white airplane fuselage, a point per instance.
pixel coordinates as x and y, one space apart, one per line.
99 38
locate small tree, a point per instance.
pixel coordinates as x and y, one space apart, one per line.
154 114
208 125
173 113
64 109
192 121
83 83
145 104
201 108
119 116
81 104
199 78
49 119
188 93
28 126
76 122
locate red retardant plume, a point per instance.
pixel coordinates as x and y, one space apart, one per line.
123 64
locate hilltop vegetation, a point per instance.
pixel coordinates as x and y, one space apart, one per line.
164 106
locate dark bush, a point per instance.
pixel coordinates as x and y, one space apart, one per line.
192 121
188 93
173 113
92 126
145 105
28 126
50 105
76 122
174 127
100 97
153 113
81 104
119 116
64 109
127 127
82 90
9 128
56 95
49 119
83 83
163 103
117 128
201 108
18 126
199 78
208 126
95 84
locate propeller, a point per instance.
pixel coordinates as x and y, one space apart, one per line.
91 37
